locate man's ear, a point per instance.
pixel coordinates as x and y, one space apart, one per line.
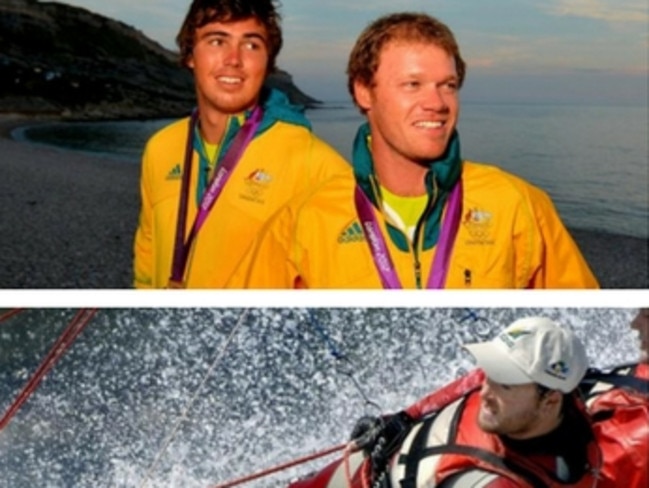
362 95
552 398
189 62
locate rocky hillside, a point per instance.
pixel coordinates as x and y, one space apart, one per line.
67 61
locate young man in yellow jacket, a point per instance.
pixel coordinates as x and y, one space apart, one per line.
414 215
210 181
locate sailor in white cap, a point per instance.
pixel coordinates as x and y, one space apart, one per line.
515 422
530 366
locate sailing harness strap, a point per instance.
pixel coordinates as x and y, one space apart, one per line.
419 451
379 249
594 376
219 179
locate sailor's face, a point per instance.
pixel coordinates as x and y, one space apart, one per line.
512 410
413 104
229 61
641 324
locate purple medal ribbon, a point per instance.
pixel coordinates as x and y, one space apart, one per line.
375 240
211 195
450 225
379 249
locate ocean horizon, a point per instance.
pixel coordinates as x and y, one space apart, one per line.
591 160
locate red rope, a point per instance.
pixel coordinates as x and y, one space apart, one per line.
10 314
364 468
348 471
365 474
281 467
74 328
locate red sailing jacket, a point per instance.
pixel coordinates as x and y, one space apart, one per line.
470 447
621 425
335 475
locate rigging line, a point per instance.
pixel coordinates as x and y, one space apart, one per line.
470 314
362 393
482 325
283 466
339 356
323 333
473 314
10 313
63 342
185 412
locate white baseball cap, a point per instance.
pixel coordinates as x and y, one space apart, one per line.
533 350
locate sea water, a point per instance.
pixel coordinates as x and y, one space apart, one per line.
592 160
196 397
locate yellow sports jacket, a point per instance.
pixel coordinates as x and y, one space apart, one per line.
283 160
509 236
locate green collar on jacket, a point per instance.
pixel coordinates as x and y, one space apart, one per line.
277 108
444 171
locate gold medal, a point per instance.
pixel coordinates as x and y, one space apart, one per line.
176 285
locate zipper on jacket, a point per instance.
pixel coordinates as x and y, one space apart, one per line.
417 271
417 245
414 247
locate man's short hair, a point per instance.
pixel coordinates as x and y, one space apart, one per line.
406 26
203 12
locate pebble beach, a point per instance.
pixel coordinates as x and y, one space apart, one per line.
68 218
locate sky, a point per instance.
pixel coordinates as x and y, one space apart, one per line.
536 51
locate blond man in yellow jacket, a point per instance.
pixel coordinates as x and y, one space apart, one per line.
209 182
414 215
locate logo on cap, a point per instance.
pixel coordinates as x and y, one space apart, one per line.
558 370
511 335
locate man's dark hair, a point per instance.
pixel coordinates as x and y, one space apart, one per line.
203 12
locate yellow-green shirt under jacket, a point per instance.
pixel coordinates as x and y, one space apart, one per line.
509 236
283 160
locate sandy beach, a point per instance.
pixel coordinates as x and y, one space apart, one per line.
68 220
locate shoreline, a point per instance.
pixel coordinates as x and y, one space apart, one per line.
13 120
68 220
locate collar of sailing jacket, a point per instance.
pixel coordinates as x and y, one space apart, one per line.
276 108
444 171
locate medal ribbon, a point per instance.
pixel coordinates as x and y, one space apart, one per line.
219 179
379 249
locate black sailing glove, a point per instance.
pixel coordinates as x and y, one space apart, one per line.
365 432
381 437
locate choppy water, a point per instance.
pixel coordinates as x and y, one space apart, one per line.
272 388
591 160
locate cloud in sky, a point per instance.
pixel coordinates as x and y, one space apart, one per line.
613 11
381 5
497 37
515 53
